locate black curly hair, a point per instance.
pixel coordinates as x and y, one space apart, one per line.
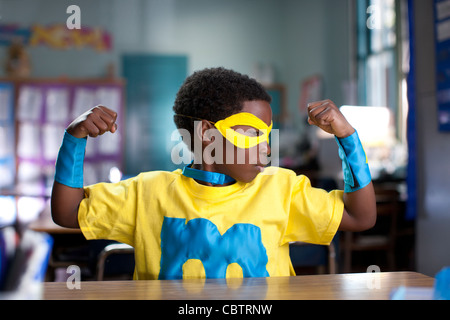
214 94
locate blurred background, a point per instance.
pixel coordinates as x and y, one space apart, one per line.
384 61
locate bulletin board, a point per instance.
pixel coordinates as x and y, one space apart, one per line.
7 133
442 26
43 110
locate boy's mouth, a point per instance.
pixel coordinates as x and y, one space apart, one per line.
260 168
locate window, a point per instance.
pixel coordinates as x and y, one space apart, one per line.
382 62
379 79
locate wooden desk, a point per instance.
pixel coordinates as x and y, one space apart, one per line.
321 287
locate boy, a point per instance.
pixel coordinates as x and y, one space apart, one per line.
225 215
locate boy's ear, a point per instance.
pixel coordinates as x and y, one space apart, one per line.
201 131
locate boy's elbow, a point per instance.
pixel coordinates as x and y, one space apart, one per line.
66 221
63 218
358 223
57 217
64 205
369 223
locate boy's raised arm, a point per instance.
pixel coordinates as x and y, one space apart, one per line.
359 198
67 192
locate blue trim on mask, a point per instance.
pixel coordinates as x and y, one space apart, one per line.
214 178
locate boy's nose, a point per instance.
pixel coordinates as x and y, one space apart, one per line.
269 151
264 151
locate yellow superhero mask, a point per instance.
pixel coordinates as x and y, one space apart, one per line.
240 139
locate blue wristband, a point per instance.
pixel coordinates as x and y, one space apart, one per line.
354 163
69 164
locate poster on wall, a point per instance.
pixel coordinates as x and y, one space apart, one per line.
442 26
57 36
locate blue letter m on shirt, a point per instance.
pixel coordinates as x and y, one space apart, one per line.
200 239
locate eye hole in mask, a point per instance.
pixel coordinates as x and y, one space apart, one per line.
248 138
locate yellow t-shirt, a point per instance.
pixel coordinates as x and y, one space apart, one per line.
182 229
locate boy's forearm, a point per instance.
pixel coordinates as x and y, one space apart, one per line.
359 196
67 191
64 204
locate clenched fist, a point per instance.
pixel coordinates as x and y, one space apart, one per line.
327 116
93 123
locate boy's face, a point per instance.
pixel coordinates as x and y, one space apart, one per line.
246 164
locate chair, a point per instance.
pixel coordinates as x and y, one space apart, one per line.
109 251
319 256
383 236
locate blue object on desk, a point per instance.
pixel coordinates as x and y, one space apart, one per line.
412 293
442 285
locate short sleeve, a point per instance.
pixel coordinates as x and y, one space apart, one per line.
108 211
314 215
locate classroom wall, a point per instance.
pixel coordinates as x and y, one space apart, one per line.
433 153
298 38
47 62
